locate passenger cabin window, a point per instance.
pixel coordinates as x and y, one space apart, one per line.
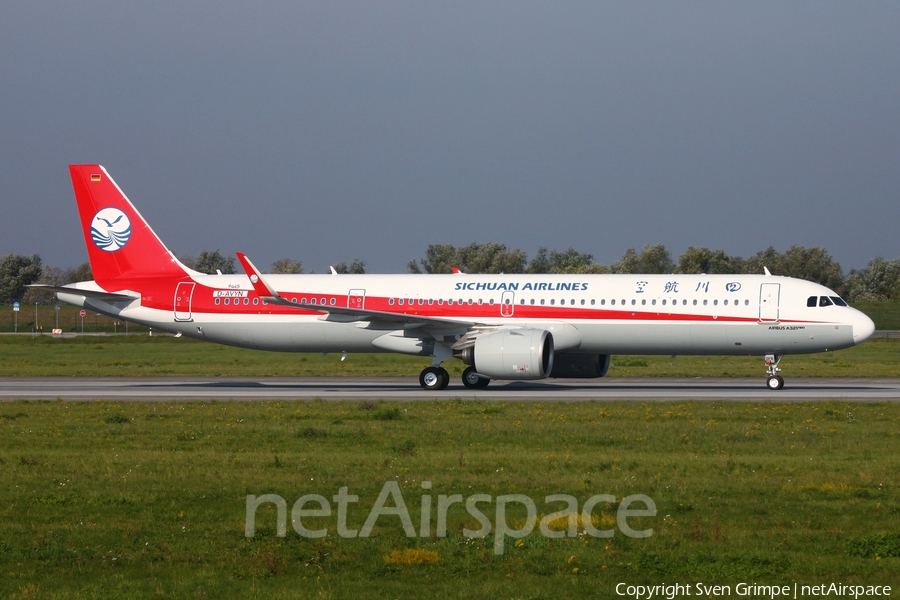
825 301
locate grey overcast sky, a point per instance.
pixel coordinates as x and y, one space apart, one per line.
325 131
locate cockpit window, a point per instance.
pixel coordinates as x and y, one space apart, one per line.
839 301
824 301
812 301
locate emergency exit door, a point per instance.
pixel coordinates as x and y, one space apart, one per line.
356 299
507 304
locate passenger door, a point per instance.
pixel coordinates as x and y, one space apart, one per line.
183 295
769 295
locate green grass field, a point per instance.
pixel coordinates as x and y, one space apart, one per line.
142 355
136 500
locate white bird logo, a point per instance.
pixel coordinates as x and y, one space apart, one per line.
110 229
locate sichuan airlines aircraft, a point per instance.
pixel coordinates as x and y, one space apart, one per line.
516 327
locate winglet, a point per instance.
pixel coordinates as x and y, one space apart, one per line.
259 284
766 269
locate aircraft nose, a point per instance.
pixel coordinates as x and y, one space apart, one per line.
863 327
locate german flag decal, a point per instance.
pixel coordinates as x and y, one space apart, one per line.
95 177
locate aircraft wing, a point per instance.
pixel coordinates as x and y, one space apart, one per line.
96 294
341 313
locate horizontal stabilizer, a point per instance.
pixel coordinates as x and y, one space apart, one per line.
97 294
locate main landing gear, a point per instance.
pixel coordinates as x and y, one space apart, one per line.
775 381
474 381
437 378
434 378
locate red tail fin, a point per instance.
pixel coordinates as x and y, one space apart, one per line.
119 241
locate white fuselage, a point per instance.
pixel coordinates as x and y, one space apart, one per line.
600 314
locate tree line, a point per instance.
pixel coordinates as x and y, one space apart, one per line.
878 282
212 262
18 271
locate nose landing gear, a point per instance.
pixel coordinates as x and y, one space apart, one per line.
774 381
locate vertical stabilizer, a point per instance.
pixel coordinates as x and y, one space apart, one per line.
119 241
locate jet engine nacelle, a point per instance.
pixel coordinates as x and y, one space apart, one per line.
579 366
512 354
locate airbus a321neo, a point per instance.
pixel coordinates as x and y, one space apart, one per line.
514 327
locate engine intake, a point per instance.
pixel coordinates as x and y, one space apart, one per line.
512 354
